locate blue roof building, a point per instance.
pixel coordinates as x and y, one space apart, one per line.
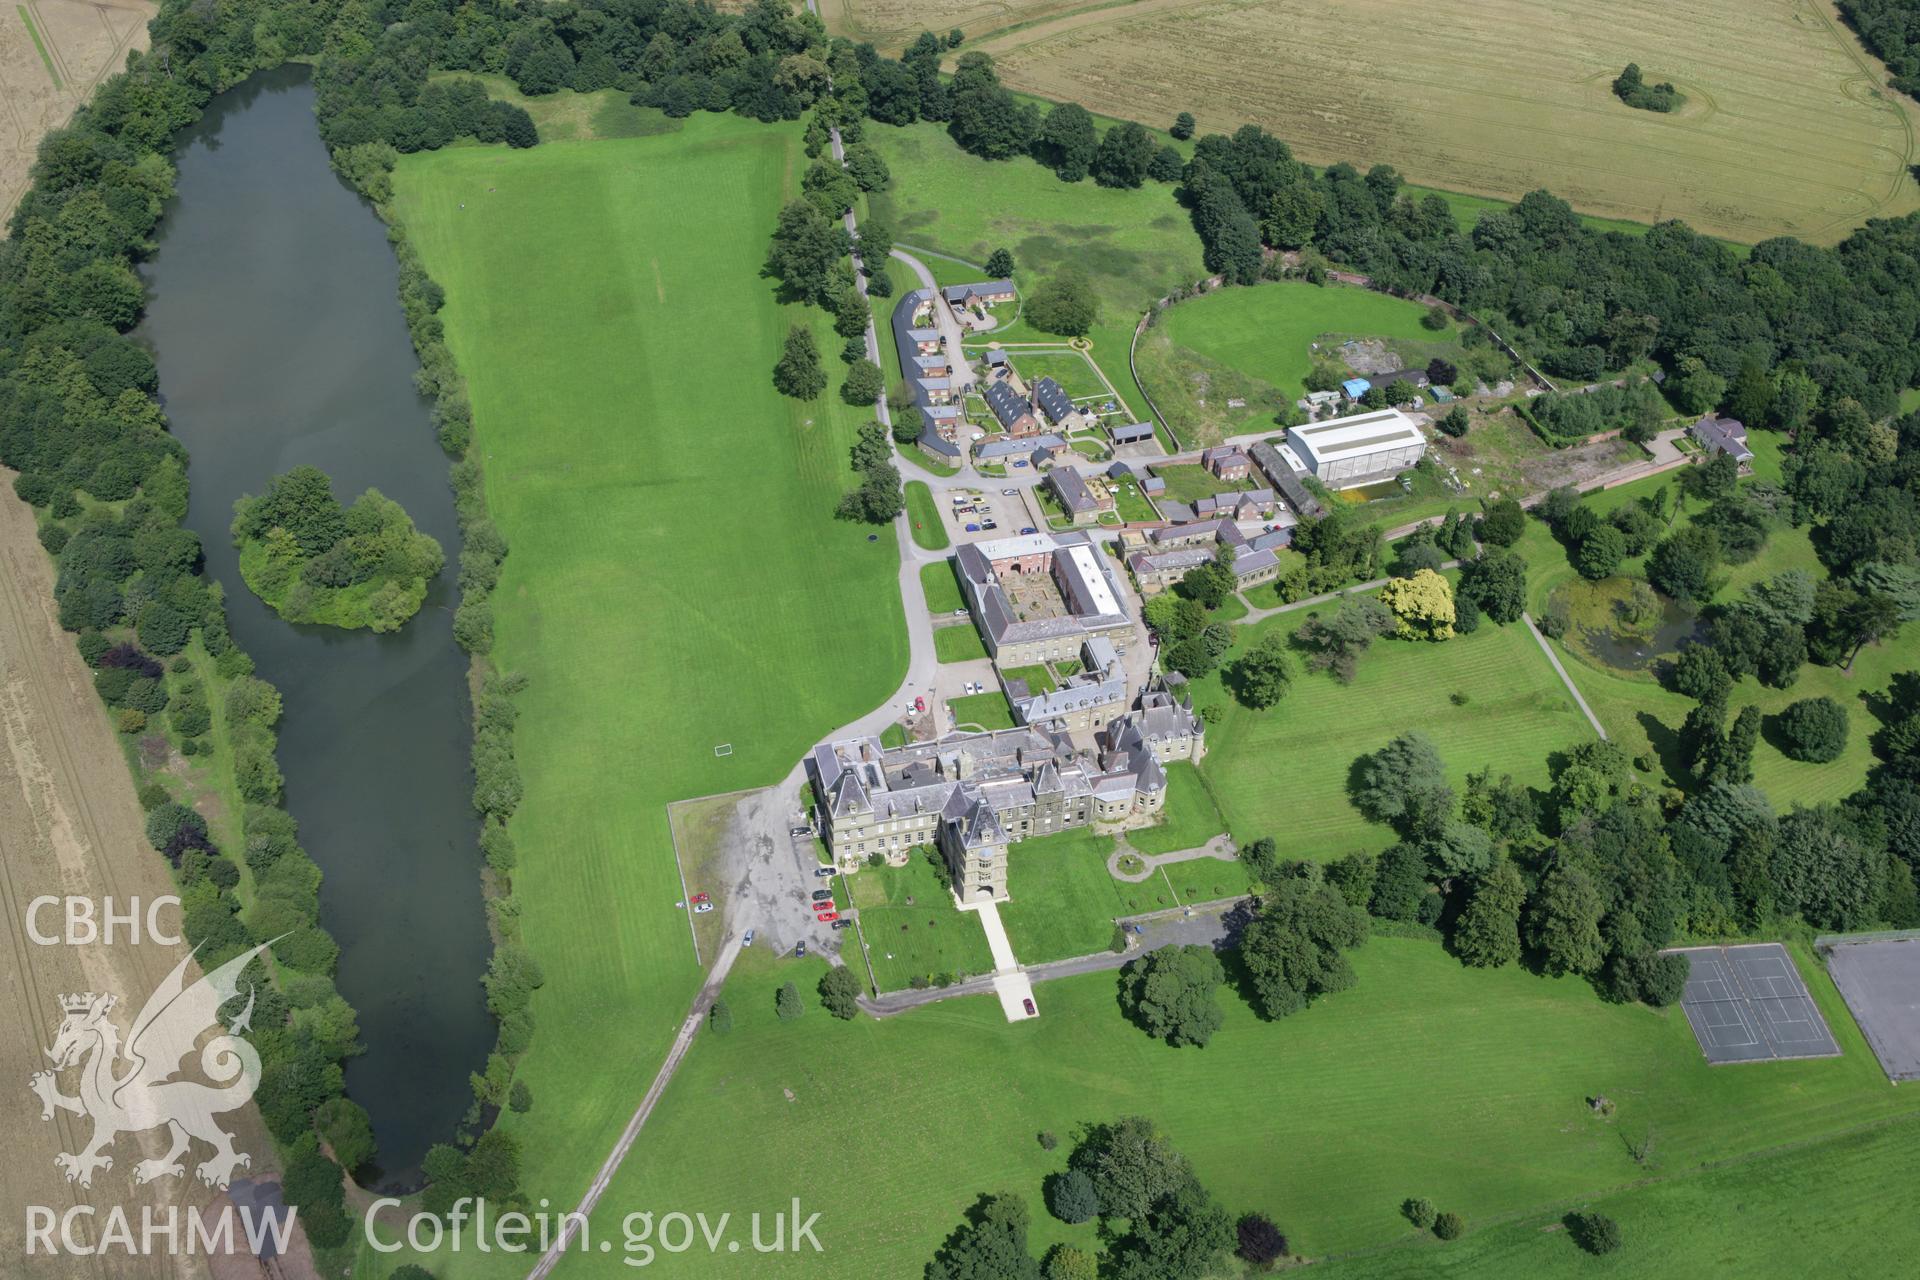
1356 387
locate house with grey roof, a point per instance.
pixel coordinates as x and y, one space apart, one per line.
1272 541
933 366
1013 413
1226 462
935 384
1716 434
1078 704
985 292
1250 568
972 795
1080 501
1153 486
1037 597
1155 571
1053 401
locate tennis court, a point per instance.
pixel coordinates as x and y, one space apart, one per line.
1747 1004
1880 978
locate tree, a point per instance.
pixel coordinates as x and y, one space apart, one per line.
806 252
1405 784
1064 304
840 992
985 119
851 314
876 243
787 1003
1419 1211
1335 644
1423 603
798 374
720 1018
1595 1232
1487 934
1183 125
1166 166
1682 564
869 170
1497 582
1182 1237
1564 921
1813 729
1000 264
1263 674
1455 423
1124 156
348 1132
1600 553
1449 1226
1293 951
992 1244
1261 1244
1072 1198
1502 523
863 384
1067 141
520 1098
1170 993
1064 1262
1131 1165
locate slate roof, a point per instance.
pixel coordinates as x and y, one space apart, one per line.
1131 432
1073 491
1006 404
1297 495
1053 401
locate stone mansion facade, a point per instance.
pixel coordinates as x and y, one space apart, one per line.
971 795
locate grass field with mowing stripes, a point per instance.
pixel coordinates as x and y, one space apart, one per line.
928 531
584 286
1427 1078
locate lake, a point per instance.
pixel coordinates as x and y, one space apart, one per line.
273 317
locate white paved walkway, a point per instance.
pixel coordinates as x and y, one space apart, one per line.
1010 981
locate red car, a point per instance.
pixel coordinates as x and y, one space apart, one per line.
919 704
699 897
828 917
1031 1011
825 904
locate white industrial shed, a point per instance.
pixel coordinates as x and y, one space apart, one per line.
1346 452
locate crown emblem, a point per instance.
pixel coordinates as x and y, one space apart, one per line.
82 1002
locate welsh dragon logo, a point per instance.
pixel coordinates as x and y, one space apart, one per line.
130 1087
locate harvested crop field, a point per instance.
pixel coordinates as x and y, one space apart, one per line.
1788 127
71 825
52 53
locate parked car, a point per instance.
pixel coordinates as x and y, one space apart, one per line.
1009 493
822 893
827 917
823 871
973 528
748 940
1019 462
699 897
1031 1011
797 832
1029 529
841 924
919 704
959 613
799 949
701 908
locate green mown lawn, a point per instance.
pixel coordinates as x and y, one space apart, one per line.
1070 369
929 532
1842 1207
1061 899
942 588
1038 678
585 284
1283 772
1134 245
1269 331
1189 820
958 643
1189 482
988 710
1426 1078
911 927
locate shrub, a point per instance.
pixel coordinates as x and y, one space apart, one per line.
53 537
720 1018
1814 730
520 1097
1261 1243
1419 1211
1449 1226
1047 1140
840 992
152 796
1072 1198
787 1003
93 647
1595 1232
132 720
